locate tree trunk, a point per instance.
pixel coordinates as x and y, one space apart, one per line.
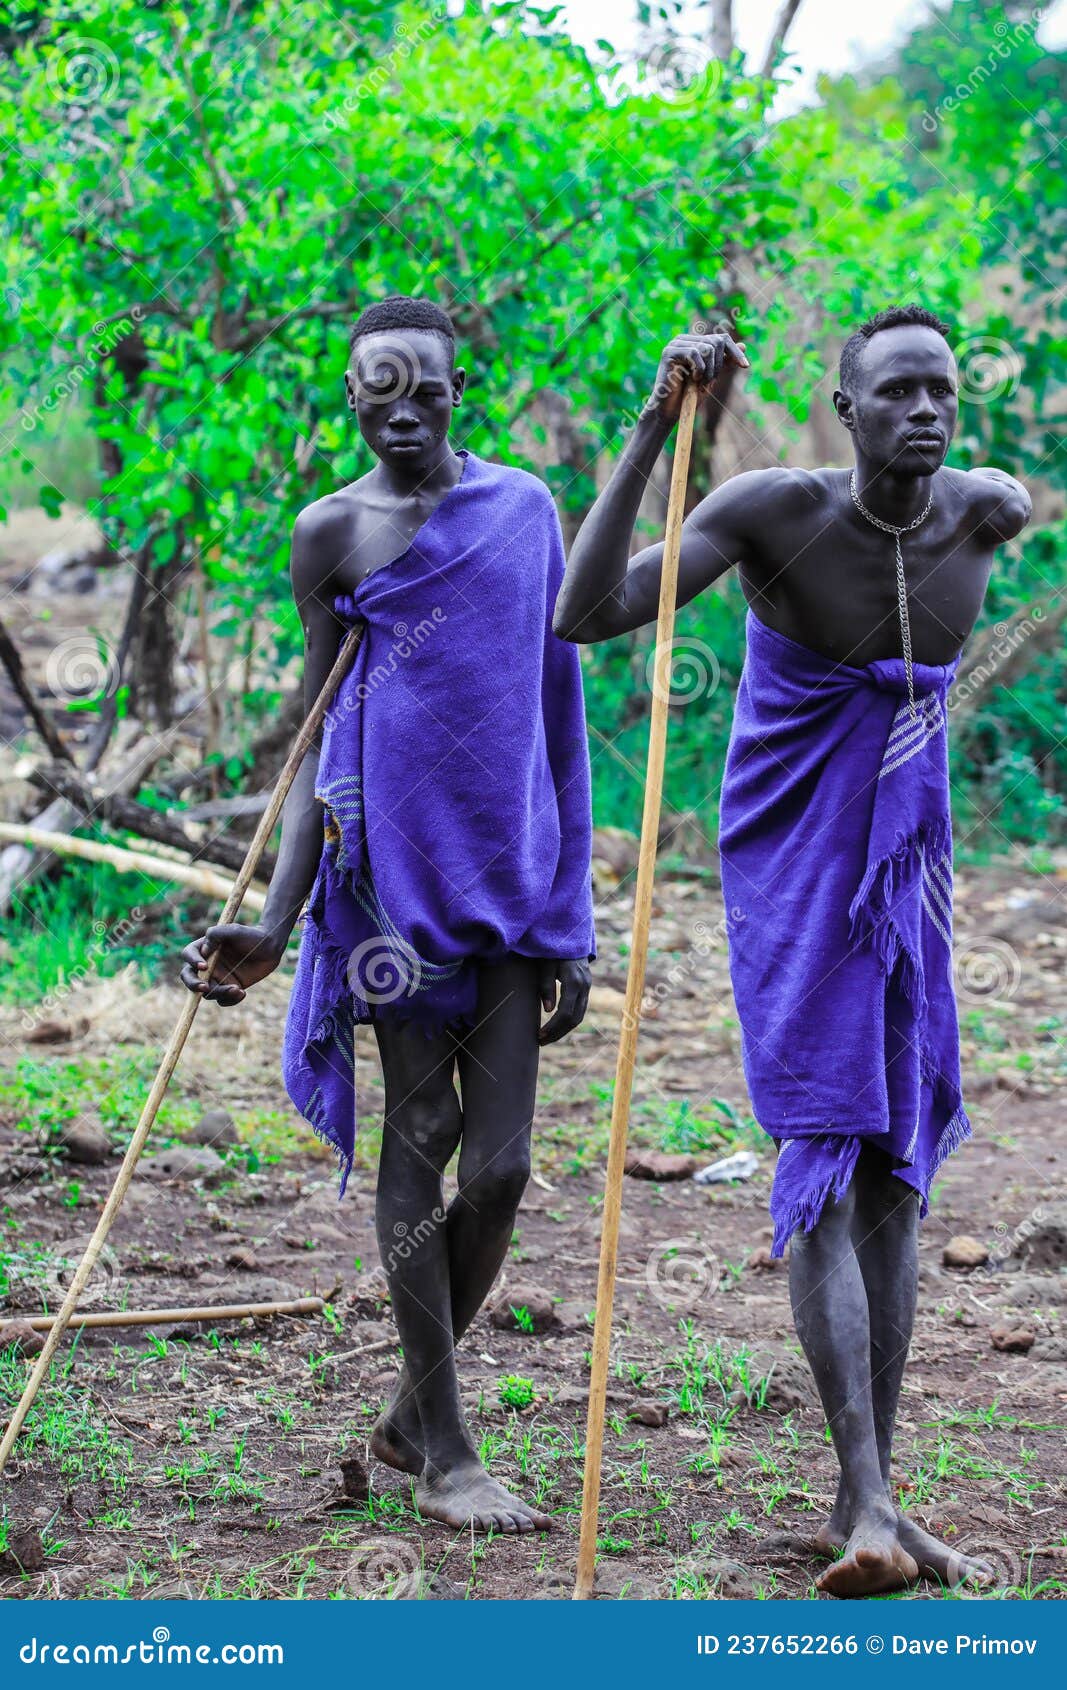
154 648
722 29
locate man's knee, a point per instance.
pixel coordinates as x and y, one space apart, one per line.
427 1123
883 1199
496 1186
831 1231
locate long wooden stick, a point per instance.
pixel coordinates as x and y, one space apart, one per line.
635 985
159 1317
174 1049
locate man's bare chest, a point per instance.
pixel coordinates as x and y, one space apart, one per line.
836 591
375 534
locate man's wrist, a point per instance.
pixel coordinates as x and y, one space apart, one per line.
278 931
652 425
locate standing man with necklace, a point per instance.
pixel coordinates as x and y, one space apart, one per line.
836 850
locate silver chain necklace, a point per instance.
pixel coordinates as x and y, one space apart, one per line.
902 588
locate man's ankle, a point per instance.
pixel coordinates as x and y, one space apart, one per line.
446 1457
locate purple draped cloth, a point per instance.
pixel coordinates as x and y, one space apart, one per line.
455 781
836 842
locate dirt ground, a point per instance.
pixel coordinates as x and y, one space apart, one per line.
207 1461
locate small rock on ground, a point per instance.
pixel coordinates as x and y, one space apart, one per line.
24 1553
184 1162
648 1413
19 1335
727 1579
85 1142
216 1127
355 1478
660 1165
778 1380
1043 1239
522 1309
964 1251
1012 1340
50 1033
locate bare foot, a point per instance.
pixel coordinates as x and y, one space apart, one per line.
874 1561
937 1561
466 1495
831 1538
934 1559
397 1437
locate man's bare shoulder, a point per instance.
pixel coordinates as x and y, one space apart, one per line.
326 515
991 499
322 532
757 494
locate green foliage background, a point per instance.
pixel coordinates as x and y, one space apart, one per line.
199 198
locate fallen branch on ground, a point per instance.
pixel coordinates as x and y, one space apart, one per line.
127 862
20 864
159 1317
140 819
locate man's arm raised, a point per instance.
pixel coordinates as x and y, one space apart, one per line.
606 592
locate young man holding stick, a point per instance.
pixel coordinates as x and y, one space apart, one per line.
441 836
836 850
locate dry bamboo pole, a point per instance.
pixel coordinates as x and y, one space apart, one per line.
174 1049
128 862
160 1317
635 984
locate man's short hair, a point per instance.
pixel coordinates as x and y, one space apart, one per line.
895 317
401 311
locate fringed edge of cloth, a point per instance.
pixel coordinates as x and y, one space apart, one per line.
868 914
805 1212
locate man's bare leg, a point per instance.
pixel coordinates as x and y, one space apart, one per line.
885 1236
498 1077
830 1312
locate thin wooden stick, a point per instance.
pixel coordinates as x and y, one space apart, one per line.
635 985
159 1317
127 862
174 1049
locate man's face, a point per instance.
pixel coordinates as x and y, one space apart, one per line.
904 404
403 389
